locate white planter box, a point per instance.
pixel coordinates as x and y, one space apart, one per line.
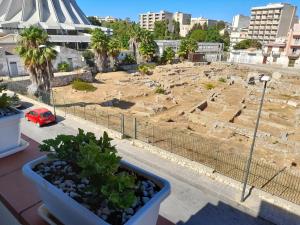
10 135
70 212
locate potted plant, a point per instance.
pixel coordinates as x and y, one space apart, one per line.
82 180
10 120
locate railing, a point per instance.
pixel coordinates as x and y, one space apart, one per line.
278 181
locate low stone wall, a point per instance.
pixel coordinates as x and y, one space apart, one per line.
66 78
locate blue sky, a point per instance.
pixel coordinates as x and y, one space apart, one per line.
213 9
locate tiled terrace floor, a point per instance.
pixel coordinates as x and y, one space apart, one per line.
18 194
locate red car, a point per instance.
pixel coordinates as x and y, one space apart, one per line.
40 116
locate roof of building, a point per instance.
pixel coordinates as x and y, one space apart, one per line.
47 14
271 6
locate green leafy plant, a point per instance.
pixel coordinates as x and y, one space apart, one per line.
209 86
160 90
168 55
5 100
145 69
222 80
186 47
63 67
96 160
128 60
80 85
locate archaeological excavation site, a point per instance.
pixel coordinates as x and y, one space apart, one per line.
217 101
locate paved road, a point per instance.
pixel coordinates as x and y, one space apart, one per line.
188 204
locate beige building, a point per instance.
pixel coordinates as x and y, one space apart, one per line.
271 21
184 20
202 21
147 20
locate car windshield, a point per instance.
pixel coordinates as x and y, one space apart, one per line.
46 114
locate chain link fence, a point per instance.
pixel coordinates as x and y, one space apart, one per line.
281 182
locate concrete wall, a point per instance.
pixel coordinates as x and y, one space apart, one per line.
63 79
244 56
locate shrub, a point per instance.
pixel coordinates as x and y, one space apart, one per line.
145 69
80 85
160 90
222 80
5 100
209 86
63 67
168 55
248 43
128 60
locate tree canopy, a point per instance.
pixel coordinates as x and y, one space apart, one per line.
248 43
186 47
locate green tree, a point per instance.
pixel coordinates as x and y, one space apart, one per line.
99 43
204 26
142 44
37 54
168 55
198 35
160 31
186 47
176 33
94 21
248 43
213 35
114 49
220 25
121 30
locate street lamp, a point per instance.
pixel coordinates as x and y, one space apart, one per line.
265 79
51 90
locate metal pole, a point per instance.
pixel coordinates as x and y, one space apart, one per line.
246 176
134 128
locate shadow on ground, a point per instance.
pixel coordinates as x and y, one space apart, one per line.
121 104
224 214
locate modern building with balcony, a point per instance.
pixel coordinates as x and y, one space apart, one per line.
147 20
239 29
267 23
293 46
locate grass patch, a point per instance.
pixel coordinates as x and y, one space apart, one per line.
80 85
222 80
160 90
209 86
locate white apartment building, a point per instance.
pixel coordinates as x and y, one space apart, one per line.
237 36
240 22
147 20
271 21
239 29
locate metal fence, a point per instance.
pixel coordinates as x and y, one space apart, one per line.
281 182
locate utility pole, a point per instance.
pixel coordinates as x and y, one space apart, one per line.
264 79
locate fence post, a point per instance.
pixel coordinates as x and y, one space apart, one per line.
84 112
107 120
153 134
123 125
96 115
134 128
171 141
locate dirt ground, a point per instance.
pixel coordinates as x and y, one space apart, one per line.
211 100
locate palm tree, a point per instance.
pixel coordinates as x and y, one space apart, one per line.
99 43
142 44
114 49
37 59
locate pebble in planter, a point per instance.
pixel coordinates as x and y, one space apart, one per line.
10 119
89 171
